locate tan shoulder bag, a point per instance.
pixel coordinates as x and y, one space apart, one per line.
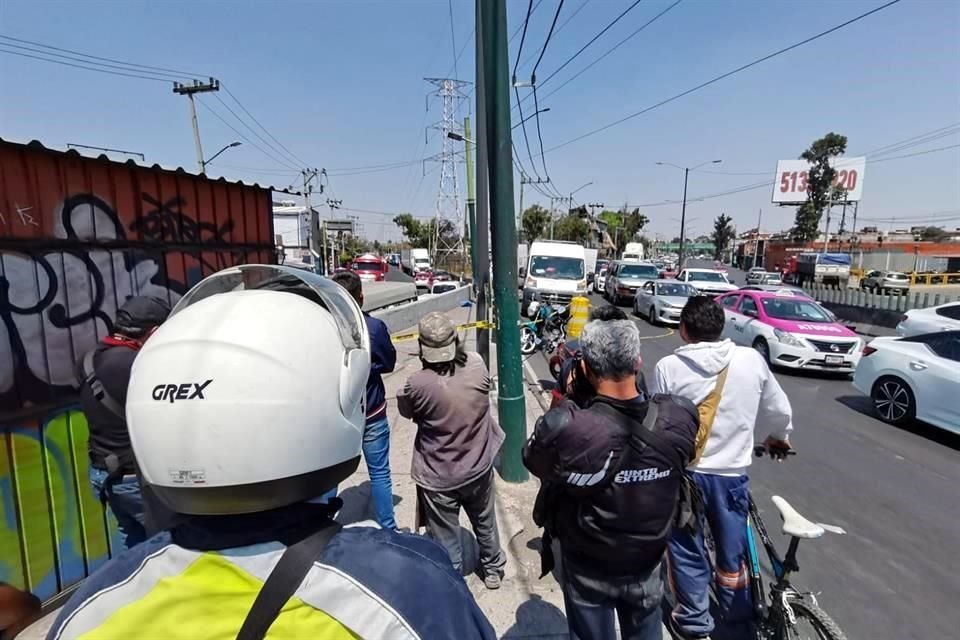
708 413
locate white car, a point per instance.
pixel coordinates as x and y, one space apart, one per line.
946 317
600 280
708 281
916 377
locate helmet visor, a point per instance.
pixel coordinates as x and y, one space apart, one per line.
343 308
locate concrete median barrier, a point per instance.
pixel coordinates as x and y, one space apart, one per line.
403 316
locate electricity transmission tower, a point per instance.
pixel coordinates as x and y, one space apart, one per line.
448 219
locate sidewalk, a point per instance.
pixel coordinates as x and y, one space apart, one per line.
524 606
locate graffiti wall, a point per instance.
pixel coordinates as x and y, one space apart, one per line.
78 237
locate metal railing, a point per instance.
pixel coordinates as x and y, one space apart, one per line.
860 298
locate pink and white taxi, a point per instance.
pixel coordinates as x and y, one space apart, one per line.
790 330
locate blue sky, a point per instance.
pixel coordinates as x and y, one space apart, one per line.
340 84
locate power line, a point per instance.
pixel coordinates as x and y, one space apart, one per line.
93 57
85 61
536 106
253 131
79 66
918 153
591 41
887 147
453 39
560 28
245 138
523 39
725 75
272 137
613 48
546 42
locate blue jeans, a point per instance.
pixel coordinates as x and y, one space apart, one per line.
726 503
125 501
376 453
592 602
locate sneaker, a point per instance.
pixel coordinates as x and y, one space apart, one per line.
680 634
492 581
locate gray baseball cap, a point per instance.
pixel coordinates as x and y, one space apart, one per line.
438 338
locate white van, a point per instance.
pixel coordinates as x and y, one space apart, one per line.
633 252
556 272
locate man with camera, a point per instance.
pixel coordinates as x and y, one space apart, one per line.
612 475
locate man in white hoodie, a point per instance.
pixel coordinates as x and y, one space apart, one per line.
746 396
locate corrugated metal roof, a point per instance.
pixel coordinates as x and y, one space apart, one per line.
36 145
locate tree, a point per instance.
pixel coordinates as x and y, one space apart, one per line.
624 225
417 233
936 234
676 240
572 228
534 222
821 192
723 233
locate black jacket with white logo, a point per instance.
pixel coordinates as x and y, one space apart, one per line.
609 498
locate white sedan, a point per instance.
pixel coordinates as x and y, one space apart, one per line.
916 377
946 317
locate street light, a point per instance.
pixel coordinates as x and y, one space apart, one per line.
453 135
683 209
535 113
206 162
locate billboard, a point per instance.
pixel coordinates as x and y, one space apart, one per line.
790 182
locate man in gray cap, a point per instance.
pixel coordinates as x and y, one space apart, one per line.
457 440
104 373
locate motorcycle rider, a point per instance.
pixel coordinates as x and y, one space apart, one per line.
570 383
238 430
104 374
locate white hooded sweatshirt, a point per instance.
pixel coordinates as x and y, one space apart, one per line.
751 398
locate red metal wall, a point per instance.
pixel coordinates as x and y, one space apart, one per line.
78 236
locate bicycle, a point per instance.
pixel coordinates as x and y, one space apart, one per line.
789 610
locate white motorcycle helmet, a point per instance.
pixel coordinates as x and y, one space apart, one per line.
250 396
533 308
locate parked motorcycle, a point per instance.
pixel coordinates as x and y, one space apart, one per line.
546 328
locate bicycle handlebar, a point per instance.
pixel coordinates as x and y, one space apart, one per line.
775 452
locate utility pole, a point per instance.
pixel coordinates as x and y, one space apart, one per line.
483 191
479 250
756 244
683 219
189 90
308 176
492 33
525 179
826 229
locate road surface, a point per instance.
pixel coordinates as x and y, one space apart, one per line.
396 274
896 574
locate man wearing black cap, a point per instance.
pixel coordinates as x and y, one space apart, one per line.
104 374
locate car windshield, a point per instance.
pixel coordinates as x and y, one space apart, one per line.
638 271
707 276
795 310
556 267
675 289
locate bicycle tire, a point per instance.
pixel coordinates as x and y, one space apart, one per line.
821 622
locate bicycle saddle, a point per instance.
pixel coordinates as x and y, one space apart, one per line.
797 526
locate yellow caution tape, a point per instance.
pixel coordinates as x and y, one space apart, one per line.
404 337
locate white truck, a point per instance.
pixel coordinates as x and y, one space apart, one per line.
415 260
522 255
633 252
555 273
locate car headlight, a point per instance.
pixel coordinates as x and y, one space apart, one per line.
788 338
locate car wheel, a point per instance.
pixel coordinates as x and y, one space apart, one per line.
893 401
763 349
652 315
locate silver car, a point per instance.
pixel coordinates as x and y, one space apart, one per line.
661 301
886 282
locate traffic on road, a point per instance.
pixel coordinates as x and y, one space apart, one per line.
872 448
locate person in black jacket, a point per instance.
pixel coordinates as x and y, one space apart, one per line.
376 435
611 487
104 374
